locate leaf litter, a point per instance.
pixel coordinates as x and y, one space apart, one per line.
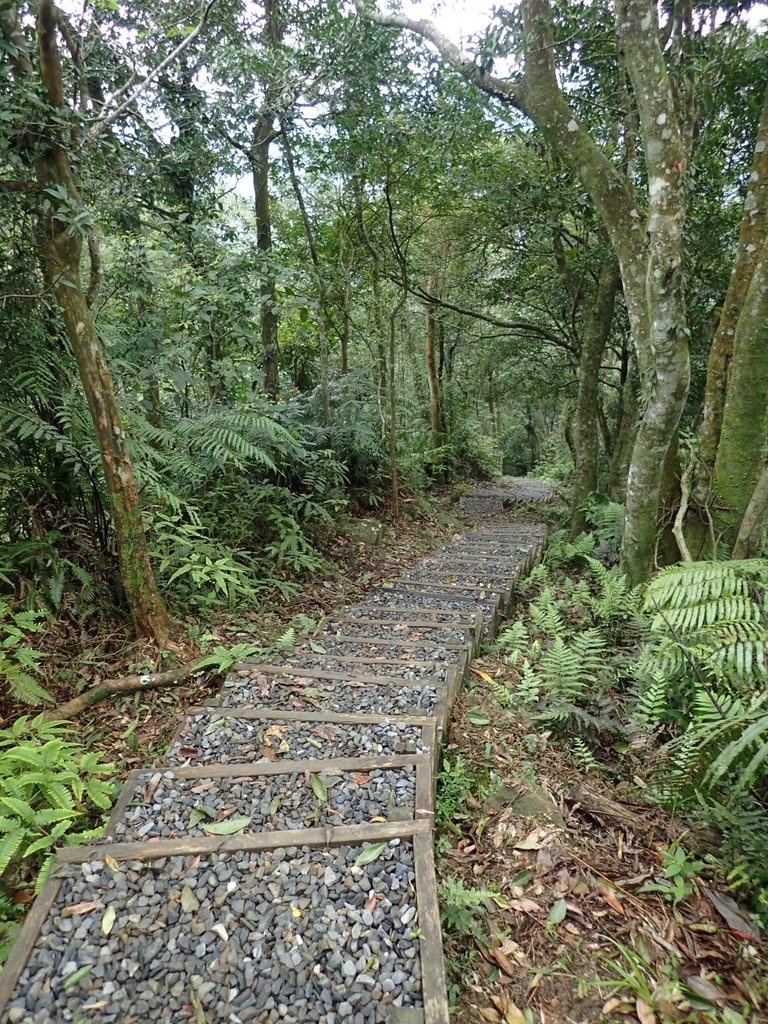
568 938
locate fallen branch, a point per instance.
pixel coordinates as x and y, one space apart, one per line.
117 687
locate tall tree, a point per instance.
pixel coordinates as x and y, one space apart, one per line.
65 225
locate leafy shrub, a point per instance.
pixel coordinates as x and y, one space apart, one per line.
202 569
51 788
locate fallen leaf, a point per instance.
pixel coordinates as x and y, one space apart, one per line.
530 842
482 675
644 1013
111 863
227 828
80 908
370 854
558 912
478 718
72 979
525 906
612 902
503 962
107 922
319 788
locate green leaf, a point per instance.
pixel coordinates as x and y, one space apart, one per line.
370 854
558 912
478 718
319 788
74 979
227 828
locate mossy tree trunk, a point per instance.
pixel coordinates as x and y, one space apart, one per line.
64 226
742 446
586 445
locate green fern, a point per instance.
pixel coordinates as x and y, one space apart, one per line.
709 619
50 788
514 638
18 661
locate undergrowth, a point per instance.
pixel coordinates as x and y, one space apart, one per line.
669 680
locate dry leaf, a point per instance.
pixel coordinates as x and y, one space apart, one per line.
502 961
644 1013
612 902
525 906
107 922
80 908
111 863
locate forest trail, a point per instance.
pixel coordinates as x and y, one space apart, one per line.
279 865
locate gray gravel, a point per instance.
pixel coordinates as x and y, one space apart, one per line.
297 693
357 667
475 578
163 806
410 651
292 935
495 567
213 739
431 616
400 632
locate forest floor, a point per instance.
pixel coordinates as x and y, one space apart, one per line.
558 932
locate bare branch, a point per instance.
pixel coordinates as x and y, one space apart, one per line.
104 122
462 62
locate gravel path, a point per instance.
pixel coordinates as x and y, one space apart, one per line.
164 806
358 667
296 693
295 935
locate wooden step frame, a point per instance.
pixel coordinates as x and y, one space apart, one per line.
430 735
422 763
452 682
418 833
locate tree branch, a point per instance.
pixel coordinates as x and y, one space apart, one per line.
104 122
462 62
117 687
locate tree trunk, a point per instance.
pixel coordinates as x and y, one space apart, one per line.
435 410
259 158
263 133
319 275
741 451
752 234
664 360
63 248
393 474
346 305
585 426
749 541
625 436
